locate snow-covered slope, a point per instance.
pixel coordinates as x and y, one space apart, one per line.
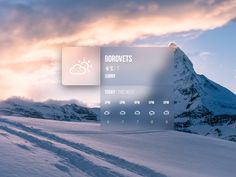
49 148
57 110
201 105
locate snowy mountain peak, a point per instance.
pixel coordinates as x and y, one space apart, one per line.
173 45
191 86
198 100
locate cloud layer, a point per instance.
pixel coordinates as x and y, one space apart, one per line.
31 31
57 21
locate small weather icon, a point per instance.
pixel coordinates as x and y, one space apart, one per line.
81 67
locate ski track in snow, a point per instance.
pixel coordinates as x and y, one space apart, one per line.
74 158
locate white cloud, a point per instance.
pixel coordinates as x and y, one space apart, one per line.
204 55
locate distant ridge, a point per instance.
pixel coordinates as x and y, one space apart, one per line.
52 109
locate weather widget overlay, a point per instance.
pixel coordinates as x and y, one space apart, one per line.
81 66
136 90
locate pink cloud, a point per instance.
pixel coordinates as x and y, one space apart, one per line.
27 31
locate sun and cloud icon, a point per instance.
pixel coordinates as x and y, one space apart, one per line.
82 67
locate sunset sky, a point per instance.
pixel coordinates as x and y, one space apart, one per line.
32 33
